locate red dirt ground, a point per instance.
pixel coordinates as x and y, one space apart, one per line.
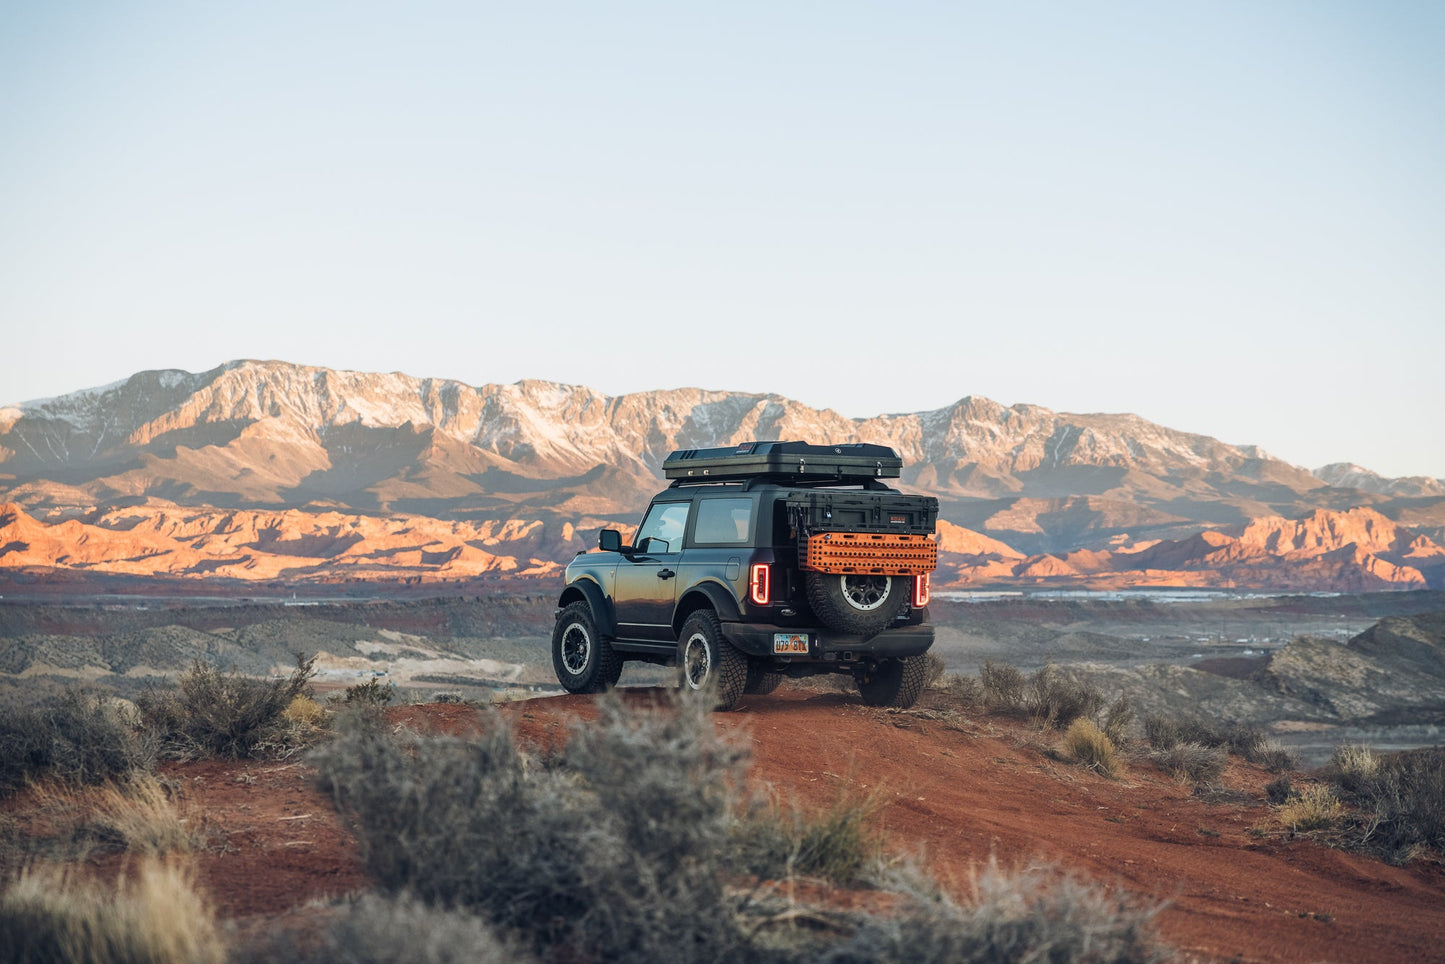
955 795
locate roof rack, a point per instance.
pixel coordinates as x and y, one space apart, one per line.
797 463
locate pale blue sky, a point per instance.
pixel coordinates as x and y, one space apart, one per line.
1226 217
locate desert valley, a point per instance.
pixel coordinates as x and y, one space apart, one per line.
408 535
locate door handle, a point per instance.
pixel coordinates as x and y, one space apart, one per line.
665 573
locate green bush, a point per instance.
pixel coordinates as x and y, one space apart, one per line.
78 736
611 851
210 713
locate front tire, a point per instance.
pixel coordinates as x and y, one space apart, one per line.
859 603
583 660
894 682
707 660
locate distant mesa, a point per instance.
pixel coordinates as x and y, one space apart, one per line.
263 470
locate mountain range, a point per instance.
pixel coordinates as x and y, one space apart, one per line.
274 471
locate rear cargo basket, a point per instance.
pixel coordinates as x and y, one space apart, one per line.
882 553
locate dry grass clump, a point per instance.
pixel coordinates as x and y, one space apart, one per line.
1311 807
79 737
840 845
48 914
1030 915
145 815
1090 747
140 815
210 713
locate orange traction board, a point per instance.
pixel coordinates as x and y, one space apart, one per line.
884 553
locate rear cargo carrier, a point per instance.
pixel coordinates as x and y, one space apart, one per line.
793 462
864 532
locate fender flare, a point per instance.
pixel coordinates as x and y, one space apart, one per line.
718 597
587 590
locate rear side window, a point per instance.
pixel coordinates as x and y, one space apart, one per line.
723 522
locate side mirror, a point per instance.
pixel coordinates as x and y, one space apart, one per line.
609 540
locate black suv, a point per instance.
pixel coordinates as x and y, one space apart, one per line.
766 560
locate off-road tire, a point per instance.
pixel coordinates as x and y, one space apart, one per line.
762 678
583 660
894 682
863 605
706 660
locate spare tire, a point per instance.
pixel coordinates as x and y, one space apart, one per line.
859 603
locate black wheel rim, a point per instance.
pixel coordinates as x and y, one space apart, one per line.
576 648
866 593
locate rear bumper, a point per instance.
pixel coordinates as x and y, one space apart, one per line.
825 645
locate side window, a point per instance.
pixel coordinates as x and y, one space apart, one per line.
663 525
723 522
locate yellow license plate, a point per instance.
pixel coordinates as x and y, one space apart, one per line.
790 643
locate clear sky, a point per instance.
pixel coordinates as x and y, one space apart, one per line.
1228 218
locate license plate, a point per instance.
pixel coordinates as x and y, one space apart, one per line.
790 643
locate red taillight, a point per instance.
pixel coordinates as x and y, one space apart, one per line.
758 585
920 590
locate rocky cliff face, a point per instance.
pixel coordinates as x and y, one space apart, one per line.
1041 487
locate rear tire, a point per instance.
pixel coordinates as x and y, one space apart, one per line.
857 603
583 660
894 682
706 660
762 678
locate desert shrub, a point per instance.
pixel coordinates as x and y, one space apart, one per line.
1352 766
49 915
1274 757
1056 701
210 713
379 930
1161 732
1312 807
1087 745
1278 791
963 692
1400 798
1003 687
1192 762
839 845
78 736
448 696
1032 915
612 851
1117 719
371 692
934 670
